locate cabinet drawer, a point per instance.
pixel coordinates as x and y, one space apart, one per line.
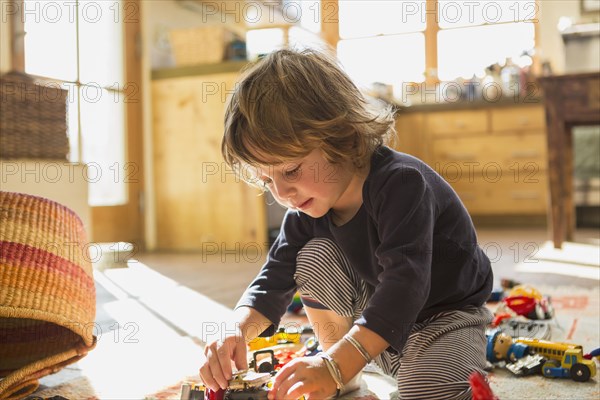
508 152
457 122
507 195
518 119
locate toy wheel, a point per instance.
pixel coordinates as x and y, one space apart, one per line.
265 366
548 365
580 373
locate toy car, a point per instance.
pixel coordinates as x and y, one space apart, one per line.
243 385
565 360
528 365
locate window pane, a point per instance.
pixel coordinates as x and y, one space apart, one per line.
387 59
50 39
102 128
101 42
455 14
263 41
465 52
370 18
301 39
311 12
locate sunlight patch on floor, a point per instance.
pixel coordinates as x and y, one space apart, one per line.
549 267
575 253
183 308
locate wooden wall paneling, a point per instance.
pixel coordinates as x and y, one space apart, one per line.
200 204
431 39
330 24
411 137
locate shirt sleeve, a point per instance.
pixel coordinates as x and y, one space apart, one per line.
273 288
403 207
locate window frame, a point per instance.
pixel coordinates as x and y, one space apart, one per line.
330 33
117 222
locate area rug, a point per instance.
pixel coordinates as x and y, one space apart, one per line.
161 360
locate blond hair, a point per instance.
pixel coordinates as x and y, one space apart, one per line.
292 102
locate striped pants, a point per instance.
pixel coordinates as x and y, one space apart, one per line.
440 353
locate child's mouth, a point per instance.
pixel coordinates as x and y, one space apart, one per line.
306 204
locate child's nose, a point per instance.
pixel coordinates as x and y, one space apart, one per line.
284 188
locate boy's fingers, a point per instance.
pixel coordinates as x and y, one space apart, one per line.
297 390
216 369
207 378
283 374
241 356
224 355
285 386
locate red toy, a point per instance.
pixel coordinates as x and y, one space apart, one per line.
480 387
530 307
527 301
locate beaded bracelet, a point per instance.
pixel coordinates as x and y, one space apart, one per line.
359 347
334 371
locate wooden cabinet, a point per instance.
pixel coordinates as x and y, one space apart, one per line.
494 157
457 123
200 203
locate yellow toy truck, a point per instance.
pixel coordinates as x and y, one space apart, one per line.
565 360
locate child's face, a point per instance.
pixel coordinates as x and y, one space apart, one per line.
311 184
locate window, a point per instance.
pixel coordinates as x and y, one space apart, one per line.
263 41
301 29
79 44
384 59
476 34
382 41
450 39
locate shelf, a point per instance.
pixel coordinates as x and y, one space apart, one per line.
196 70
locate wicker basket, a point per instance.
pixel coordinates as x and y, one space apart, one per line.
47 292
33 121
195 46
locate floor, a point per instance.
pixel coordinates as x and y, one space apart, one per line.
223 277
150 333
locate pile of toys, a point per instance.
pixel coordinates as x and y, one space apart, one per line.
266 357
519 337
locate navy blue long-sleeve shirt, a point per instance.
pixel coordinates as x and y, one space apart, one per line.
412 240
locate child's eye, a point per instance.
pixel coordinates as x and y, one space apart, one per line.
292 172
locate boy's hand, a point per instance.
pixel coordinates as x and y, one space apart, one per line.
307 376
216 370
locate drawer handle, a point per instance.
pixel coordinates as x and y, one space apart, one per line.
524 195
460 156
525 154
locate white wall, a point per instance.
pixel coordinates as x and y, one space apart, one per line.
550 41
60 181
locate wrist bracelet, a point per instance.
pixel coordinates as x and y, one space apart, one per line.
359 347
334 371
